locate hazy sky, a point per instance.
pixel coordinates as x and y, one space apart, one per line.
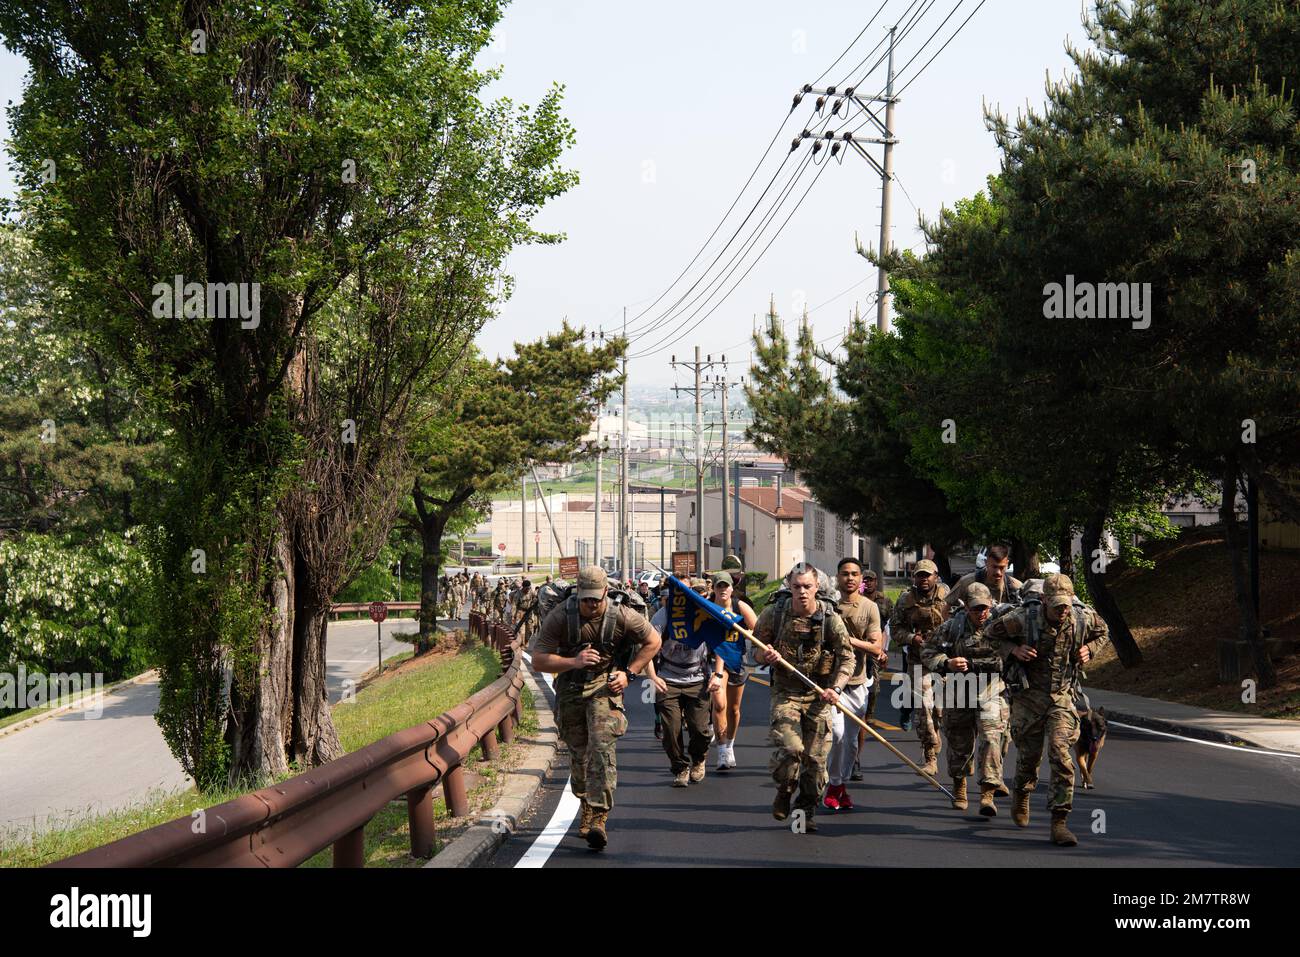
674 103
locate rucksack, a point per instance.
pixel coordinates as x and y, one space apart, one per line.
825 605
552 596
1013 672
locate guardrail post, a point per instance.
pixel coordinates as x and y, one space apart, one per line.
419 813
489 745
350 849
507 728
453 792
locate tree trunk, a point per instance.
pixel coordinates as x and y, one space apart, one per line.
1247 620
258 723
1126 648
431 528
1064 556
315 740
1024 559
944 564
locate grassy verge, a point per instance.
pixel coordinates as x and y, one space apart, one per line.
411 691
1180 609
50 706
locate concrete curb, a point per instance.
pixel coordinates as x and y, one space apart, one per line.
74 705
1267 734
476 846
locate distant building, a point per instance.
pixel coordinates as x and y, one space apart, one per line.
770 531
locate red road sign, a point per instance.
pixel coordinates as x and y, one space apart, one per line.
501 547
378 611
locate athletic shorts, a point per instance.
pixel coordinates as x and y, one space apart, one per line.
735 680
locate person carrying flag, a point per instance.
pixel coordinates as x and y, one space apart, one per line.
808 633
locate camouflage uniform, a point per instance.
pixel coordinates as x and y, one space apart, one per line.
589 718
977 706
915 612
800 720
497 605
526 614
1045 711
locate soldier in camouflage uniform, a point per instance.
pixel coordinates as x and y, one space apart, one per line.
580 641
919 611
811 636
526 611
497 603
970 670
1048 640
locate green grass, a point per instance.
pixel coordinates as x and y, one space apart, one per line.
50 706
380 708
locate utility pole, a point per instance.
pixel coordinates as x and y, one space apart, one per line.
523 524
600 467
886 180
723 384
624 556
698 367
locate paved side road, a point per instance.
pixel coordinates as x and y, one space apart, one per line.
68 766
1160 801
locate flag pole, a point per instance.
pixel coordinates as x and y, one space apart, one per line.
815 687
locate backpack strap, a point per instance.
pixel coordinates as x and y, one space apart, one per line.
571 613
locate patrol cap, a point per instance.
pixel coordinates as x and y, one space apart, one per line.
1057 590
731 561
868 573
700 586
723 573
592 582
978 596
925 565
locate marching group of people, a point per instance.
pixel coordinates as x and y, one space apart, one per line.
991 661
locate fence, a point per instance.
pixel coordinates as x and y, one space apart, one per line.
286 823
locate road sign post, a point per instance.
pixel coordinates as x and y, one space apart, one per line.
378 612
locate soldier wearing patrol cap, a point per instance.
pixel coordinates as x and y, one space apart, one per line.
1049 639
582 640
919 611
970 669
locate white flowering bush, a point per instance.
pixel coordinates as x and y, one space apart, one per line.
73 604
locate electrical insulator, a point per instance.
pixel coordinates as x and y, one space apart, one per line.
817 147
794 144
821 101
798 98
830 91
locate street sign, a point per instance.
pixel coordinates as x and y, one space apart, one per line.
569 568
537 538
501 547
683 564
378 611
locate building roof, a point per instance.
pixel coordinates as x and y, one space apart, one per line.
763 498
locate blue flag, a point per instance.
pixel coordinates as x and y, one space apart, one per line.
693 619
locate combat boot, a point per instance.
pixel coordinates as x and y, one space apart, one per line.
810 822
987 807
596 836
781 804
959 794
931 765
1002 789
1061 835
584 825
1020 810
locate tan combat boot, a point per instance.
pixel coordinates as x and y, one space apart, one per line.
931 766
1061 835
584 825
781 804
1020 810
987 807
1002 789
596 836
959 794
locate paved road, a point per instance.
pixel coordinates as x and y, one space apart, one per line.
1164 802
67 767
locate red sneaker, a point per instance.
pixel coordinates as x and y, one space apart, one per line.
832 797
846 802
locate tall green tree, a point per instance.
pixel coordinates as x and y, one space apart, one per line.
330 164
500 419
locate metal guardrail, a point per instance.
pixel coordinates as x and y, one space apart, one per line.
365 606
286 823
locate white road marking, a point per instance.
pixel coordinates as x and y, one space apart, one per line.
1211 744
539 852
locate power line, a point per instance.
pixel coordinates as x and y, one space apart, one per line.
945 44
853 44
821 169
